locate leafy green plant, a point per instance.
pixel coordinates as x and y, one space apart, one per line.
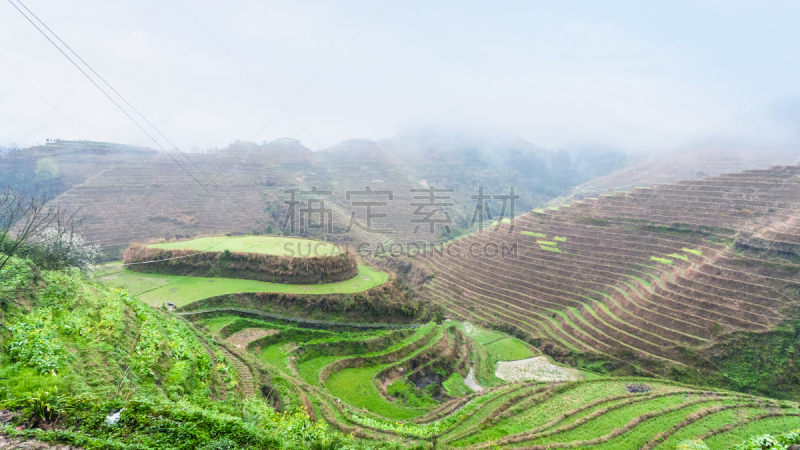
46 405
32 342
409 394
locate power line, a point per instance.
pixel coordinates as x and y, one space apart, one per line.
117 104
112 89
53 108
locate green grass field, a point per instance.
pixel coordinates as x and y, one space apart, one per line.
510 349
354 386
156 289
270 245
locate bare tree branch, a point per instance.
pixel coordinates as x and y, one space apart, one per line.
21 217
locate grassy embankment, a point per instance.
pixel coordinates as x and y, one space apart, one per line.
156 289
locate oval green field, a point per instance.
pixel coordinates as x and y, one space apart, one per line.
268 245
156 289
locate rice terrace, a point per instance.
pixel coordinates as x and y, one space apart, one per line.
399 225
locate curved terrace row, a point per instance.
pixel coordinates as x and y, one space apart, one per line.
651 271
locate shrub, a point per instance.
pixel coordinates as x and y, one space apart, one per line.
14 277
32 344
54 249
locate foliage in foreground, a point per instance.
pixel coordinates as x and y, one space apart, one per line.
147 424
73 353
769 442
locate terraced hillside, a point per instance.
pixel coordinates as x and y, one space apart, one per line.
72 163
243 189
411 385
243 193
671 275
707 161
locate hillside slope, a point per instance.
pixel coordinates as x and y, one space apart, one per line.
244 188
689 164
96 368
675 279
56 167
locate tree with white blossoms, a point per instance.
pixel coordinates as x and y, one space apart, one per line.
61 247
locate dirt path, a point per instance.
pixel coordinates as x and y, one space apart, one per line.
241 338
470 381
247 385
30 444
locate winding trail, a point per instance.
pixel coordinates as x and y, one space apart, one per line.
470 381
247 384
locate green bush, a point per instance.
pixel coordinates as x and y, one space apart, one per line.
32 342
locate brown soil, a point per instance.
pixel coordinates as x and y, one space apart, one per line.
241 338
26 444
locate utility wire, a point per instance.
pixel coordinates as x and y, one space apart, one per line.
117 104
53 108
112 89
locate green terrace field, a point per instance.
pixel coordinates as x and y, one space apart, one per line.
157 289
408 385
269 245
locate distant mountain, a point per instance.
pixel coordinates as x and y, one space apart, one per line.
705 160
133 194
56 167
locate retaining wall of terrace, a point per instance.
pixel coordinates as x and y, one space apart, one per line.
384 303
248 266
383 358
609 288
309 323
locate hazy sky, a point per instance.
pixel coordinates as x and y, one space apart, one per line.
628 74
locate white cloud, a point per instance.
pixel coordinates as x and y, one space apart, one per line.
650 77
